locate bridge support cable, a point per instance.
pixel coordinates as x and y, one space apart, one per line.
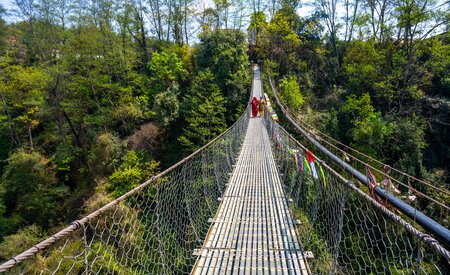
152 229
429 224
348 231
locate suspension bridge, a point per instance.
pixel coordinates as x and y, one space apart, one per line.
252 201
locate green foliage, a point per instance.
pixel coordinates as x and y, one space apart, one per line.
67 159
134 170
22 92
366 128
406 144
205 112
436 56
167 105
65 264
283 40
22 240
358 109
290 92
76 83
166 68
223 52
32 194
282 29
106 154
258 20
362 65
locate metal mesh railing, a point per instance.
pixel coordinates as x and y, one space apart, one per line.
428 198
347 231
152 229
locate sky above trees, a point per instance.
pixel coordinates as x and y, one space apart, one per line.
237 12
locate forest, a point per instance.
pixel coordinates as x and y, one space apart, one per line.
98 96
93 103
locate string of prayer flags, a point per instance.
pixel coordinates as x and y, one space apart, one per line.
270 108
307 164
387 183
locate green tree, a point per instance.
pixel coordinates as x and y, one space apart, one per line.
205 112
223 52
22 91
406 144
32 193
290 92
257 29
363 126
106 154
134 170
166 68
362 66
167 105
283 40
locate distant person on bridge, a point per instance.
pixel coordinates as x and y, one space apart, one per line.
262 104
255 106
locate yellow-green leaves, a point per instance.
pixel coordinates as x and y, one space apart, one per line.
290 91
22 92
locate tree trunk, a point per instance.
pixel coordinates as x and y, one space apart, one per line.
30 137
185 22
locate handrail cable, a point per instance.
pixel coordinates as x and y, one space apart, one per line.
394 179
81 222
361 153
410 211
409 187
376 169
409 227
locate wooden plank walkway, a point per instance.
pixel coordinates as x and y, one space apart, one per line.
252 232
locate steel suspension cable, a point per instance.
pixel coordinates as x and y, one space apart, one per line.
421 218
148 206
447 192
334 220
314 130
414 190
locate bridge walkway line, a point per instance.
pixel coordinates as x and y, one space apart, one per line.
252 232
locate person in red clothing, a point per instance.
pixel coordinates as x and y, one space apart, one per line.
255 107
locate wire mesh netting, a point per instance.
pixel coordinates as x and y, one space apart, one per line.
152 229
347 231
429 195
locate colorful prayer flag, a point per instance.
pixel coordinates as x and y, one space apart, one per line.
323 175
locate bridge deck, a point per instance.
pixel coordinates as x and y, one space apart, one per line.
252 232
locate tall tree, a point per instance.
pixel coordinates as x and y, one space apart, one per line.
31 191
224 53
351 11
2 31
329 8
22 92
205 115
